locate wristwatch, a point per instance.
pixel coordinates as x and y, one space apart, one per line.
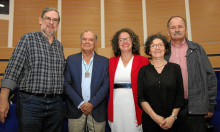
174 116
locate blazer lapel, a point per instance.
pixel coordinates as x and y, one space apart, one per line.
94 67
114 66
135 64
79 71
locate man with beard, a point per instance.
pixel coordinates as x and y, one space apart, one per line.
199 79
36 67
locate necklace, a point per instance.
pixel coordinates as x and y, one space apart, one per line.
165 62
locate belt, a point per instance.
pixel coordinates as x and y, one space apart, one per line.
44 95
122 85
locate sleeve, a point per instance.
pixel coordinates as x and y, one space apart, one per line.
140 87
211 81
147 61
15 64
180 90
69 89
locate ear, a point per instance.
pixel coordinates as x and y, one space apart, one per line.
80 43
168 32
95 44
40 20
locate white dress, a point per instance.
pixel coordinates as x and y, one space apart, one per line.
124 117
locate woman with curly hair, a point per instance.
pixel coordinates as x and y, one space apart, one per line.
160 88
124 115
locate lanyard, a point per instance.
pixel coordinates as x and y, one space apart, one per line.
87 70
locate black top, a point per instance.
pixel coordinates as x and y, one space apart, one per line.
163 91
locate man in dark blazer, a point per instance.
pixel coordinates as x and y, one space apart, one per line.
86 87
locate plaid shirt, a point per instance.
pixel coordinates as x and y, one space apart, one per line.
36 66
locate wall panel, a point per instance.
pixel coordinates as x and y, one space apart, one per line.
215 61
159 11
3 66
205 20
120 14
212 48
1 79
4 33
5 53
26 14
107 52
78 16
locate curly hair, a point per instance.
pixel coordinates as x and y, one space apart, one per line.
134 38
151 38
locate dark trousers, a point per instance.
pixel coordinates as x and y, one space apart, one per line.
190 122
154 127
39 114
149 125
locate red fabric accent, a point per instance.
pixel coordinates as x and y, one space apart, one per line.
138 62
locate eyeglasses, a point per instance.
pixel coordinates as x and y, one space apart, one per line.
157 45
88 39
48 19
128 39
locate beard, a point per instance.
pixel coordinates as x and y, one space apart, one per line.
48 32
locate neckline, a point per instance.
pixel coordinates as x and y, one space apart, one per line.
165 62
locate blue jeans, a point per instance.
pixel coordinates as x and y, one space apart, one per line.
39 114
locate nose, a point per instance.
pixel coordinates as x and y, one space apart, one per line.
87 40
157 47
124 41
51 21
177 29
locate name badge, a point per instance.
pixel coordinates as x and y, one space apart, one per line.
87 75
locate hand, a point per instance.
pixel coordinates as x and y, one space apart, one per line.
209 115
86 108
168 123
4 107
159 120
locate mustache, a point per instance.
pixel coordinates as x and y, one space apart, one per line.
177 33
50 26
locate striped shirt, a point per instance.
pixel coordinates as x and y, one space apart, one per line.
36 66
179 56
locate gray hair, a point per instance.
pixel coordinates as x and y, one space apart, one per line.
45 10
168 22
96 38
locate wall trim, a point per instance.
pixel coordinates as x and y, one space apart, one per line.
102 23
188 20
144 11
59 8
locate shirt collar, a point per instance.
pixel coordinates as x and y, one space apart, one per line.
92 56
45 38
181 45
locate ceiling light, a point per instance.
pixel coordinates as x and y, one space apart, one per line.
1 5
